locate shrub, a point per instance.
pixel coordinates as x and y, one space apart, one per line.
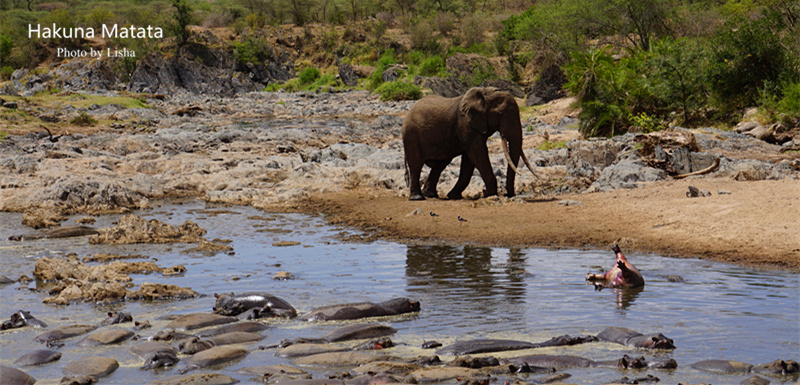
83 119
790 104
398 90
432 66
472 29
250 51
308 75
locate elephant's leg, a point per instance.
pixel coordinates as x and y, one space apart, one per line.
464 176
437 166
414 169
479 155
510 177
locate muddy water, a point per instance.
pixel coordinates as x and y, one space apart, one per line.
720 312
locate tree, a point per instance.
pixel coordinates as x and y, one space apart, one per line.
181 21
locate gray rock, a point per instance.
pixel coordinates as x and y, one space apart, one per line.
627 174
569 202
348 75
197 379
38 357
549 86
13 376
598 153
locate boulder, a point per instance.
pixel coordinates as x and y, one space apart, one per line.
197 379
627 174
549 86
134 229
91 366
348 75
13 376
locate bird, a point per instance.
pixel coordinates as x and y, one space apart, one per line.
461 219
433 214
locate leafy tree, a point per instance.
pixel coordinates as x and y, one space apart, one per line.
181 21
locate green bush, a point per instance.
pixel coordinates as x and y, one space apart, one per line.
432 66
790 104
308 75
250 51
748 57
398 90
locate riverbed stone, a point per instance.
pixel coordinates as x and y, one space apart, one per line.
148 348
12 376
270 370
442 374
5 280
161 291
390 367
134 229
216 356
308 349
91 366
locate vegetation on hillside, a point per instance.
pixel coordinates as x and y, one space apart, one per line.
641 64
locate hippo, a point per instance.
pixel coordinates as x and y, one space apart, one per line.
538 362
5 280
194 344
634 339
14 376
492 345
777 367
345 333
155 354
38 357
250 327
266 305
62 333
58 232
20 319
217 355
623 274
117 318
352 311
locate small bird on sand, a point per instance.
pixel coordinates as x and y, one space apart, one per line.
433 214
461 219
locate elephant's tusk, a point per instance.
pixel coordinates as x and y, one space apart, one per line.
525 159
508 157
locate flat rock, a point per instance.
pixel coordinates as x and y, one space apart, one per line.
442 374
11 376
199 320
359 331
38 357
106 337
218 355
134 229
341 359
196 379
301 350
91 366
390 367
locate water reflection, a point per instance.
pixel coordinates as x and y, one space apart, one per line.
468 276
625 296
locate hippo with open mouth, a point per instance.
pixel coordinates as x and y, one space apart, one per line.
623 274
267 305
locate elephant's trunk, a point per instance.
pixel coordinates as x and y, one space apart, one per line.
508 156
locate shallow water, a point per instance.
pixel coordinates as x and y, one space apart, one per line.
721 311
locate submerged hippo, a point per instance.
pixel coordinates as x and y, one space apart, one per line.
117 318
623 274
777 367
634 339
218 355
58 232
14 376
155 354
351 311
491 345
193 345
38 357
20 319
562 362
265 305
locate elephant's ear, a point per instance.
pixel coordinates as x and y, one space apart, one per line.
473 100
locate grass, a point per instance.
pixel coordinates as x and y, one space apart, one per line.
548 145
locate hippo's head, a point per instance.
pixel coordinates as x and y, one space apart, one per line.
193 345
779 367
120 317
402 305
659 341
160 360
627 362
228 305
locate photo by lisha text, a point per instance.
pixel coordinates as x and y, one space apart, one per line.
114 31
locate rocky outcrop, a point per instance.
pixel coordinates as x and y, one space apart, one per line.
549 86
134 229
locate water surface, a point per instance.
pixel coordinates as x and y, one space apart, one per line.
721 311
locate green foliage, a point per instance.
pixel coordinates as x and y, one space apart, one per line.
6 44
387 58
423 38
251 50
790 104
748 58
548 145
433 66
398 90
308 75
181 20
481 71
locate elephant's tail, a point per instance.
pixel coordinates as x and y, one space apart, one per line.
406 174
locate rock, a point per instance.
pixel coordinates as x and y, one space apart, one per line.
57 232
199 320
270 370
442 374
308 349
569 202
755 380
160 291
102 257
348 75
285 243
77 380
359 331
39 218
197 379
549 86
389 367
38 357
91 366
134 229
598 153
447 87
210 247
283 276
627 174
5 280
746 126
106 337
13 376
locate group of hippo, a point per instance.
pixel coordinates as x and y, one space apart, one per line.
209 340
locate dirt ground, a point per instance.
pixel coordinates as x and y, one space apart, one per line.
757 224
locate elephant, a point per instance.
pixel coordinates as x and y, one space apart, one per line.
438 129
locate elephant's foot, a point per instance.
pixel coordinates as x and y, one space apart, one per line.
416 197
430 194
454 196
